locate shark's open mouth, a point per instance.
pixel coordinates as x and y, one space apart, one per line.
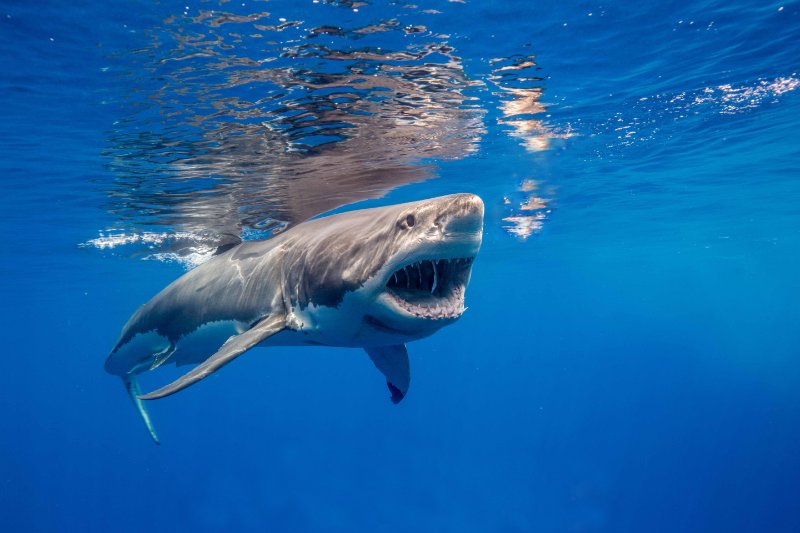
431 288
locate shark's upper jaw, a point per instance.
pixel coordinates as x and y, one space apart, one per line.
431 288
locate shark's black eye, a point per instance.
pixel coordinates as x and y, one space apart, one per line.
410 221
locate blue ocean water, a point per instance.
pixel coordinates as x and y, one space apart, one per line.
629 360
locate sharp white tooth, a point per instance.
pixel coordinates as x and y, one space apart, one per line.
435 281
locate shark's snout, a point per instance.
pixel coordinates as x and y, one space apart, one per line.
464 214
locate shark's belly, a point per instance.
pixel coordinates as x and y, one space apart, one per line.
149 350
137 354
203 342
345 327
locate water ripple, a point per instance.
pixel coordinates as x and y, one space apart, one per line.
242 124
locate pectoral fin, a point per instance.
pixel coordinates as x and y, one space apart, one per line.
392 361
233 348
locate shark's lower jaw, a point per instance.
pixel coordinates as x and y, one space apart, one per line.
431 288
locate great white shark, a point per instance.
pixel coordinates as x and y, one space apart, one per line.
373 279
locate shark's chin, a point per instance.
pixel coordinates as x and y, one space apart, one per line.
431 289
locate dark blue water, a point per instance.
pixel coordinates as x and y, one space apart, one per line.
629 360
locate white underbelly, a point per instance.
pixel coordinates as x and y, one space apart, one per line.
204 342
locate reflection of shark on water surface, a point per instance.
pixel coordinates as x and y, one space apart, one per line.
230 145
375 279
221 141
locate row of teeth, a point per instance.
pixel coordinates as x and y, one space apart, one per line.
436 311
418 267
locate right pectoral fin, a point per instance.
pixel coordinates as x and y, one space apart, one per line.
233 348
392 361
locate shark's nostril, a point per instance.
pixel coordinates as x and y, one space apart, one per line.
470 222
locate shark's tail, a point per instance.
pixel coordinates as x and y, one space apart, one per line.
132 386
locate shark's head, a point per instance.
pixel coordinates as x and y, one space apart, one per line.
400 270
422 285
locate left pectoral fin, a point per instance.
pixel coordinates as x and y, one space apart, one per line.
233 348
392 361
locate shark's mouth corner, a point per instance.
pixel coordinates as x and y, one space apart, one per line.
431 288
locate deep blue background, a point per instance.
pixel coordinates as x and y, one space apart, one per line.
632 367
